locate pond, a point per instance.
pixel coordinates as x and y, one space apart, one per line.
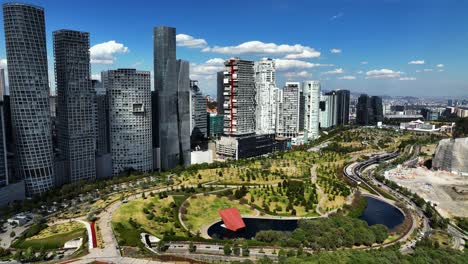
379 212
376 212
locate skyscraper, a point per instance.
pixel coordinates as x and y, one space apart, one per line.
76 127
342 107
183 111
2 84
199 117
239 97
29 90
129 94
266 96
288 118
168 142
369 110
220 92
102 116
311 90
3 150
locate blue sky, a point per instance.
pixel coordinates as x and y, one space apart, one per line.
384 47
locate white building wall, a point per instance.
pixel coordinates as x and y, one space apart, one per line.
266 96
311 91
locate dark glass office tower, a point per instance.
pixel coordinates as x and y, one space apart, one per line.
76 127
183 111
369 110
29 90
172 88
342 107
3 149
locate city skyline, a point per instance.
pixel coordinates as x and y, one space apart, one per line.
416 48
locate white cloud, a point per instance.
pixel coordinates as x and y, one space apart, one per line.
427 70
382 74
301 74
259 48
359 72
347 77
335 71
440 66
104 53
285 64
3 63
96 76
441 70
407 79
364 62
206 70
417 62
337 16
335 50
188 41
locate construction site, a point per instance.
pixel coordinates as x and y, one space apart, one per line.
446 190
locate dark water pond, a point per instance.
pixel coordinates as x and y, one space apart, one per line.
376 212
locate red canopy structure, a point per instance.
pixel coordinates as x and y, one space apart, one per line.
232 219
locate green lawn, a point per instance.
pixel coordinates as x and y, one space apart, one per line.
203 210
51 242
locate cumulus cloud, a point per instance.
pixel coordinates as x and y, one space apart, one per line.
440 65
188 41
96 76
383 74
3 63
427 70
359 72
440 70
206 70
347 77
286 64
258 48
335 71
417 62
104 53
301 74
407 79
335 50
364 62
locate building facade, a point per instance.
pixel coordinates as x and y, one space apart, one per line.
183 112
4 178
239 97
369 110
171 88
29 91
76 127
311 91
129 94
342 112
102 116
289 112
199 117
266 96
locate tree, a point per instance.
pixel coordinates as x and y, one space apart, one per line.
12 234
192 247
236 249
245 250
227 249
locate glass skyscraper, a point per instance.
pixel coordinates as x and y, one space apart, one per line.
76 128
171 118
29 90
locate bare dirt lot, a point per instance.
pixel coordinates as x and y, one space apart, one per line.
444 189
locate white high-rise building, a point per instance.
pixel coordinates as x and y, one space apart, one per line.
288 110
265 97
311 90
